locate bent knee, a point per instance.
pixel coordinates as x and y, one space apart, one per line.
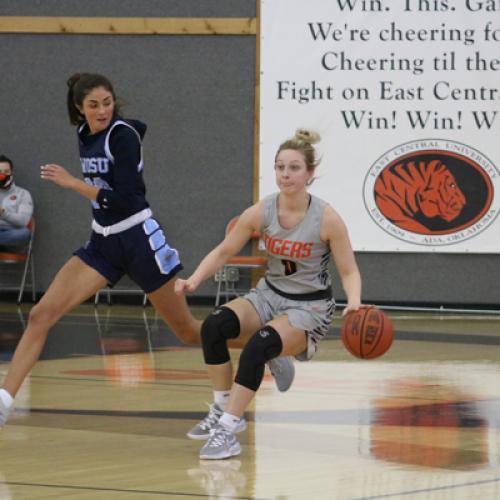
263 346
188 332
219 326
222 323
42 316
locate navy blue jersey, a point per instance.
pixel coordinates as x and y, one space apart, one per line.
112 161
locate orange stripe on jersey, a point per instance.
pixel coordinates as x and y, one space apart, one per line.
288 248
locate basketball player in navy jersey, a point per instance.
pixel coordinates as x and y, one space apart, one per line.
291 308
125 238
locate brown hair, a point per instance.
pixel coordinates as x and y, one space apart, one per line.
79 86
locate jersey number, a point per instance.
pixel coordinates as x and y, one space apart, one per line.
290 267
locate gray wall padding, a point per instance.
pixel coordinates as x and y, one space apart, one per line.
196 93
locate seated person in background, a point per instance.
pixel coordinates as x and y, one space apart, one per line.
16 210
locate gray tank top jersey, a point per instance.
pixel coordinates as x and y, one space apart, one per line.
298 261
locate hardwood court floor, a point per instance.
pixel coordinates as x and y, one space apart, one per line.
105 412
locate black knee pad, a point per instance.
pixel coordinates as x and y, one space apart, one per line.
264 345
220 325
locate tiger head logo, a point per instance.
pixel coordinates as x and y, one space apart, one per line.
433 193
410 193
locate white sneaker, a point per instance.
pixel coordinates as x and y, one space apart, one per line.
202 429
283 371
221 444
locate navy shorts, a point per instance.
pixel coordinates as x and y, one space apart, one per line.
141 252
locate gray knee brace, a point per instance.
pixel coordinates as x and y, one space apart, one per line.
264 345
220 325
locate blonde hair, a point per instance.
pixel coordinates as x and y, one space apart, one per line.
303 141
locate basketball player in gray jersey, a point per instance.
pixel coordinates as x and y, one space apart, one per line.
297 257
291 308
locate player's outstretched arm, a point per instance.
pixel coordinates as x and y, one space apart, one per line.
248 222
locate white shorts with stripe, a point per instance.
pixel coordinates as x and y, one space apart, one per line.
312 316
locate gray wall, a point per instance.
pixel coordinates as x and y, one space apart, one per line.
196 93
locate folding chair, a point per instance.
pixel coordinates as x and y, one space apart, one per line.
230 275
24 259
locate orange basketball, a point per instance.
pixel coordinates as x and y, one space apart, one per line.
367 333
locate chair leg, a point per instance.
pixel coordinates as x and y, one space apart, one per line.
219 285
21 318
145 300
226 286
23 280
33 287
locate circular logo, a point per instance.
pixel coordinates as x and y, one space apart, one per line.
432 192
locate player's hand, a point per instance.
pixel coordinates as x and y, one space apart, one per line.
182 286
351 307
57 174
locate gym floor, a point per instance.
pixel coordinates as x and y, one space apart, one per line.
105 412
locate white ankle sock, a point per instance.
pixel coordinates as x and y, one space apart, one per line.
6 398
221 398
229 422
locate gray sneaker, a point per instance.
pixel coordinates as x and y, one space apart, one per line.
202 429
4 414
283 371
221 444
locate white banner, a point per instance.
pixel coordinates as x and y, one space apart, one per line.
406 97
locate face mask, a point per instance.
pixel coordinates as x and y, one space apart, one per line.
5 181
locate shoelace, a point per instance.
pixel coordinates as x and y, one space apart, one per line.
218 436
211 419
